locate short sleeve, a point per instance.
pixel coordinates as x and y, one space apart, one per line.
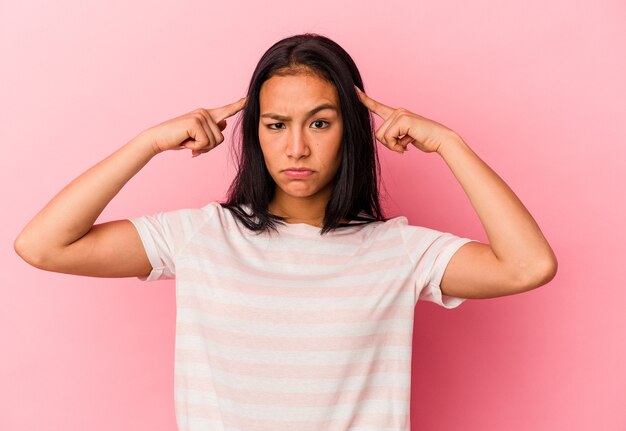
430 252
164 235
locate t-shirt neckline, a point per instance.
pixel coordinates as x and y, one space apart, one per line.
308 229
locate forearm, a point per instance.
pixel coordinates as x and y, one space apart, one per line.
514 236
73 211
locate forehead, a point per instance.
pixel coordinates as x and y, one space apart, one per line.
296 92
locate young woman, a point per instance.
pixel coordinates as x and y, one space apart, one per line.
295 297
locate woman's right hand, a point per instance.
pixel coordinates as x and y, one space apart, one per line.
199 130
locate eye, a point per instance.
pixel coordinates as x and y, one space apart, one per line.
269 126
320 121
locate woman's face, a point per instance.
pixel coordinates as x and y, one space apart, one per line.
300 127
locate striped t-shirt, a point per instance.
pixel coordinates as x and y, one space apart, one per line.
294 331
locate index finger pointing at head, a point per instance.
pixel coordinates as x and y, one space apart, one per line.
229 110
377 108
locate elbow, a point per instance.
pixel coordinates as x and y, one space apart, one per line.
20 247
550 268
544 272
25 249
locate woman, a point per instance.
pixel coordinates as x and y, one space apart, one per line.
295 298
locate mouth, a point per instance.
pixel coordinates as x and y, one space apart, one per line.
298 172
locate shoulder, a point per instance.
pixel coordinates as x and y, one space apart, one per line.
220 217
418 239
212 209
392 229
215 214
183 220
401 226
392 226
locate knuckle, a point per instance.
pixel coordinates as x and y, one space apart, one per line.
211 118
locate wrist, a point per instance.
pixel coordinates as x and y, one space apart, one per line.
453 141
146 143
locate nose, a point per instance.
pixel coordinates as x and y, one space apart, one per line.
297 145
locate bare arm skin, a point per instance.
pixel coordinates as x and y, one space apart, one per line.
62 237
518 257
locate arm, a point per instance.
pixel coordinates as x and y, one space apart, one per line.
62 236
518 257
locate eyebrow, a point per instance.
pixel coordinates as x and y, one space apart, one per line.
311 112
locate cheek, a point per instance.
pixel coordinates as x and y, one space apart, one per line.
336 153
330 158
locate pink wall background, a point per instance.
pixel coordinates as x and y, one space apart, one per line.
536 88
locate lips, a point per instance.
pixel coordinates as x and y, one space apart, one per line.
297 172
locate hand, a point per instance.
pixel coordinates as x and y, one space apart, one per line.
199 130
402 127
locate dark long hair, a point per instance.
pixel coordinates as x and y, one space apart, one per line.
355 186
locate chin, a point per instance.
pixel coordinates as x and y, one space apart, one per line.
299 190
300 193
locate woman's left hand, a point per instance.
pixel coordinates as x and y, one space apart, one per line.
402 127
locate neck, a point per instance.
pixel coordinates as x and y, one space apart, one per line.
309 210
